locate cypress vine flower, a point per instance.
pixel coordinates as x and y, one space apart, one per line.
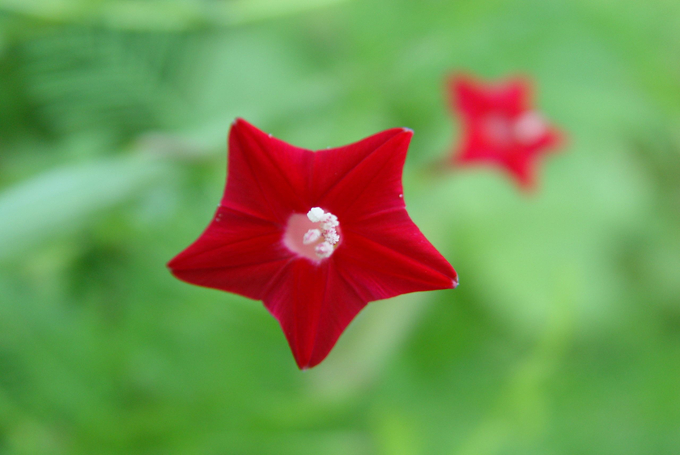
501 127
314 235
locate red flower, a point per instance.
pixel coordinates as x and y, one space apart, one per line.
500 126
315 235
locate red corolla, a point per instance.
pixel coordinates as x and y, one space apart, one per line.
314 235
500 126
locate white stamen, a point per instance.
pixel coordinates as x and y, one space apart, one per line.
331 236
316 214
329 224
324 249
330 221
311 236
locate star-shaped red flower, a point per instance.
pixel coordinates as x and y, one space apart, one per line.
500 126
314 235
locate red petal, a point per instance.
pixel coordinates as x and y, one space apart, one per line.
474 98
388 255
464 95
551 139
237 253
267 177
314 305
523 171
476 149
370 181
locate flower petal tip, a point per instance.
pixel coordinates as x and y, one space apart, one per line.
239 122
455 283
305 364
172 264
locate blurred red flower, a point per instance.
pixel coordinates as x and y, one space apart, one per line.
314 235
500 126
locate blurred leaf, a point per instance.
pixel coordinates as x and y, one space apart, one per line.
64 200
160 14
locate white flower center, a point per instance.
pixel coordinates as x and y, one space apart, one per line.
314 236
530 127
524 130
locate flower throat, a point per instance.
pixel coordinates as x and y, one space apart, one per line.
314 236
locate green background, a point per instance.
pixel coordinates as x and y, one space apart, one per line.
563 338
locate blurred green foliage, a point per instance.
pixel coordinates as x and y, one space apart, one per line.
564 337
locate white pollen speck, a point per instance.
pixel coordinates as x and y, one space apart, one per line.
316 214
270 134
401 195
324 250
311 236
